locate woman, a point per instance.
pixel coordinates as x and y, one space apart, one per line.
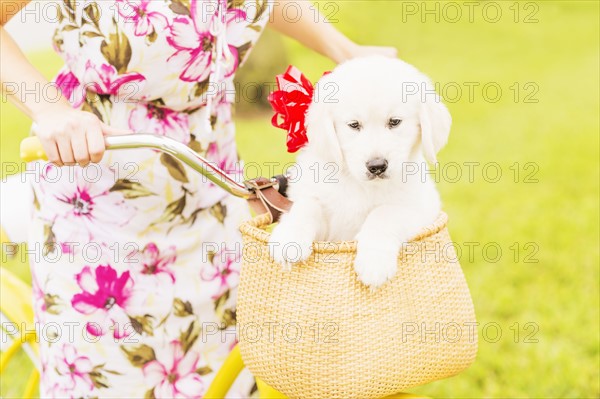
137 257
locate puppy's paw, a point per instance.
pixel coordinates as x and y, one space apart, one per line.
290 244
375 267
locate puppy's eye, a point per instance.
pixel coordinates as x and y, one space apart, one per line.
355 125
394 122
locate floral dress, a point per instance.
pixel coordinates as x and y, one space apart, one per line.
135 261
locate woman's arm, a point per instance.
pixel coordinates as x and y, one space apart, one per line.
316 33
67 135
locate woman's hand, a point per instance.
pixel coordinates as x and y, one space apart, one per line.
357 50
68 135
71 136
348 50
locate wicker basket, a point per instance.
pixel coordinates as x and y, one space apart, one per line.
317 332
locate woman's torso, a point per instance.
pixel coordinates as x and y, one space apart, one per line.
140 217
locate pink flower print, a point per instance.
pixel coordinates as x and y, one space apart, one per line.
175 377
146 21
82 202
104 298
223 111
67 248
154 279
70 87
193 45
83 205
75 370
193 42
38 295
236 23
226 160
153 262
105 79
44 302
153 119
224 269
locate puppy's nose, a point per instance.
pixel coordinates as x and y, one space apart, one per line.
377 166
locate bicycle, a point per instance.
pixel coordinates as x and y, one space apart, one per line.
264 195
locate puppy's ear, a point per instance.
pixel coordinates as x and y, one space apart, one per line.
435 123
320 130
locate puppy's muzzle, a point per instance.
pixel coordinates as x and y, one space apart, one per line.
376 167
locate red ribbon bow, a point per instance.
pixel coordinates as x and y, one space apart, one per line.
290 104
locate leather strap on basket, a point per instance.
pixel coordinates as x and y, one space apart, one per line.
266 199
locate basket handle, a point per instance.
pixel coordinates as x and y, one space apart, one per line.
266 199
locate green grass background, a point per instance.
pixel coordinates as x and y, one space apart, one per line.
559 214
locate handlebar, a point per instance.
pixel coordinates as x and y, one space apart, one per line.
31 150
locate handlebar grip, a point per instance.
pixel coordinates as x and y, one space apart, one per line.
32 150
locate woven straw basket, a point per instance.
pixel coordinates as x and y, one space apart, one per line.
317 332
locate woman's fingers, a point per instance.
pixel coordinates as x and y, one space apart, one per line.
66 151
52 152
79 145
72 136
391 52
95 143
114 131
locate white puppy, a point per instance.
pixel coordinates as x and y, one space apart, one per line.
372 125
